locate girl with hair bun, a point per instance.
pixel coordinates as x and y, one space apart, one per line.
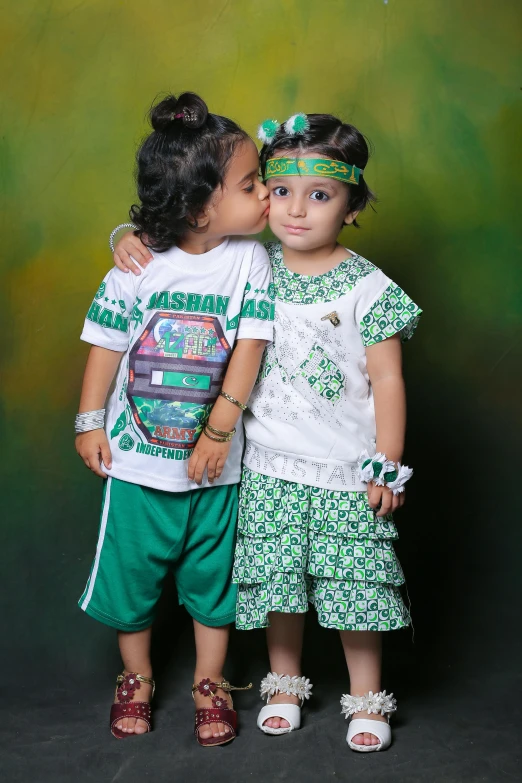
177 350
325 431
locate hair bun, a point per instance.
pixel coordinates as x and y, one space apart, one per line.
193 109
162 114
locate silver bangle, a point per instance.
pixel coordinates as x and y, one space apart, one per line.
91 420
118 228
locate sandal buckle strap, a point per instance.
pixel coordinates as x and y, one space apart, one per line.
131 682
207 687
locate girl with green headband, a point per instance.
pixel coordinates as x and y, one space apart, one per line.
324 432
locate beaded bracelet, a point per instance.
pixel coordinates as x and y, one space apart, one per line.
118 228
220 433
233 400
90 420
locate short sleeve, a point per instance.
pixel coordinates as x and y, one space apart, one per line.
108 319
393 312
256 321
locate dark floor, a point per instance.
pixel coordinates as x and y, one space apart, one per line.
453 724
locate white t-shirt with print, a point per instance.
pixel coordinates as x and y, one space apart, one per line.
311 414
177 324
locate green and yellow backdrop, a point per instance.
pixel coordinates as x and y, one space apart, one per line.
436 87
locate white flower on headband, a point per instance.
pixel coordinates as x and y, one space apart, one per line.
297 124
267 130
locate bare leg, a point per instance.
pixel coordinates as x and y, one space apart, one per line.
211 651
285 643
362 650
135 654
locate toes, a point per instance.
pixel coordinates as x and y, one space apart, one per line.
268 722
141 727
205 732
283 724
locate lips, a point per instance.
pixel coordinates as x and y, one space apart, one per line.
295 229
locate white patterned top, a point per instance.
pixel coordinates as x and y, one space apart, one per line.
311 413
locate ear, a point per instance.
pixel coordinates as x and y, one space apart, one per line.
201 220
208 213
350 217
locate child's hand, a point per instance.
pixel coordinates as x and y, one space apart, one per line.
130 245
91 446
384 497
210 455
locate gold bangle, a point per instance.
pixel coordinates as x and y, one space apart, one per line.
233 400
221 433
217 440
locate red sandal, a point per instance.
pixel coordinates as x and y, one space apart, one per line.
220 712
127 685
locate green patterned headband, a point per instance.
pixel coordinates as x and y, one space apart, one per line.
308 167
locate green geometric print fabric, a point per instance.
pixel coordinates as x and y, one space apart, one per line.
322 374
299 545
393 312
302 289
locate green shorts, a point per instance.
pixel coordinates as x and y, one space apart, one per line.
145 532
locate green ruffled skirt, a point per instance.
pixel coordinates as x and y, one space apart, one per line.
299 544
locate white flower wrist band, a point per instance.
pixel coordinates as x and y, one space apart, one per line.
383 472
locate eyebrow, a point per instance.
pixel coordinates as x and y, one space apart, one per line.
315 183
253 173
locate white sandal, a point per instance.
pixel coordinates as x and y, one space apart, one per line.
281 683
373 703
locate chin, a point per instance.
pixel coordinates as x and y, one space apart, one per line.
296 242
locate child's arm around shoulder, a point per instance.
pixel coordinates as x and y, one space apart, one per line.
130 249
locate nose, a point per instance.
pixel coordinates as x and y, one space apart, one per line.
296 207
262 193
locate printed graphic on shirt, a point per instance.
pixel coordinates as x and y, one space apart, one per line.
107 317
210 304
261 309
323 375
176 369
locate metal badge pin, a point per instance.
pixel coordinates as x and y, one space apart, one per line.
332 317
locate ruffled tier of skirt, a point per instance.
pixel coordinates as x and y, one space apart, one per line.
299 545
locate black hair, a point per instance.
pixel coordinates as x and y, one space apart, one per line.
179 165
328 136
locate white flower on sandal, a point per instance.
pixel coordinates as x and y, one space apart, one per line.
371 703
281 683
